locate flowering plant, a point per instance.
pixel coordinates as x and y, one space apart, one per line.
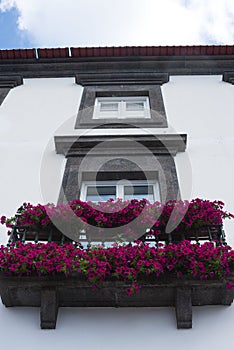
129 263
181 215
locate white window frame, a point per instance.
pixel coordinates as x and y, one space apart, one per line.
120 187
122 112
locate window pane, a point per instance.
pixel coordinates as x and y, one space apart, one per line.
109 106
139 192
134 106
100 193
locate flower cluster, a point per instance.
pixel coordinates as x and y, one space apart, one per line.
129 263
77 215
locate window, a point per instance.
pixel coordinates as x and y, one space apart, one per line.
121 107
118 162
101 191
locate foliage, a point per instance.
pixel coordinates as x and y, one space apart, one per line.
180 215
128 263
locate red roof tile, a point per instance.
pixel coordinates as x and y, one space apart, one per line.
123 51
17 54
53 53
119 51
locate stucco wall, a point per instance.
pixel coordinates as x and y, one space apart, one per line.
203 108
31 171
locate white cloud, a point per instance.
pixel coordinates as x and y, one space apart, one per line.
125 22
215 18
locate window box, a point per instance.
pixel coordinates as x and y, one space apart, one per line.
49 293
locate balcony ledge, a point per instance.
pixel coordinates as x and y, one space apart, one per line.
51 292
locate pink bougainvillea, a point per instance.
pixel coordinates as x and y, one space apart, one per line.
128 263
183 215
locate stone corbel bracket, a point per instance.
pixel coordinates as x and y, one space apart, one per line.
8 82
228 77
51 292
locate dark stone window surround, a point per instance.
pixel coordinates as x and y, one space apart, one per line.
110 172
117 167
168 184
90 93
126 84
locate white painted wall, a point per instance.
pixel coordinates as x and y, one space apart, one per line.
203 108
29 117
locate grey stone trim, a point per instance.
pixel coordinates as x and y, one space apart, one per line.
97 158
69 67
3 94
90 93
133 78
183 304
69 188
7 83
51 292
157 144
77 170
49 307
228 77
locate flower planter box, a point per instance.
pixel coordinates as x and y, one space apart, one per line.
49 293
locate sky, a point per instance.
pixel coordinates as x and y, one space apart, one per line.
67 23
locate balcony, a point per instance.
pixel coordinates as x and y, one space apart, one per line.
42 266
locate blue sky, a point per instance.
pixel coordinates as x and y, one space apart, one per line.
10 35
60 23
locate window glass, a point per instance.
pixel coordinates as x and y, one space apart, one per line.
108 106
121 107
134 106
139 192
100 193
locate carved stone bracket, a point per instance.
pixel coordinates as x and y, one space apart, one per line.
7 83
228 77
10 81
49 293
183 306
49 308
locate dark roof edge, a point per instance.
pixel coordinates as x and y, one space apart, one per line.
116 61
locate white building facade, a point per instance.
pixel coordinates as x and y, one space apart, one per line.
168 112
